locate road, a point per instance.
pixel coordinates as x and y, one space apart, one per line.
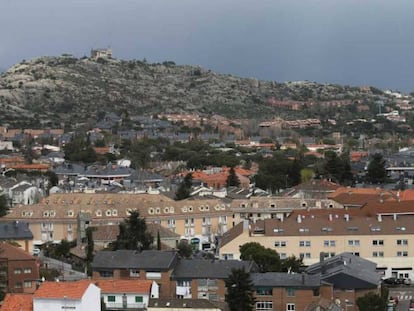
404 294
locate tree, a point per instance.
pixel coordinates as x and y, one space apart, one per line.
371 302
158 240
232 179
268 260
4 206
89 248
292 264
184 190
306 174
184 249
376 169
133 234
240 291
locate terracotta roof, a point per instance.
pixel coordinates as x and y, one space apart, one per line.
17 302
124 286
57 290
335 222
12 252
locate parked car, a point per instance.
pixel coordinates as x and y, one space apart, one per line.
397 281
36 251
411 305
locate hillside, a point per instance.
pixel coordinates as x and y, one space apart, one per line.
56 90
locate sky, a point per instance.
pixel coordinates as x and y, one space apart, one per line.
349 42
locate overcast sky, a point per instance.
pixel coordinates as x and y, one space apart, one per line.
356 42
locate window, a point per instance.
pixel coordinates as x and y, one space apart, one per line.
264 306
280 244
27 270
329 243
111 298
264 291
402 242
106 274
355 253
27 284
290 307
139 299
305 255
153 275
134 273
18 285
377 254
402 254
378 242
183 283
17 271
304 243
290 292
283 255
353 243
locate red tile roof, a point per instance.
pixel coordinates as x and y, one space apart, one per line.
124 286
12 252
70 290
17 302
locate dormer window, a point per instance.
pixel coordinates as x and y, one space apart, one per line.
70 213
108 212
243 205
272 205
98 213
151 211
114 212
46 214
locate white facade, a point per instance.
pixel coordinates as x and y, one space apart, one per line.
90 301
126 300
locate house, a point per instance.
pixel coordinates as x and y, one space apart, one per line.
21 269
175 304
126 294
25 193
351 276
134 265
292 291
79 295
17 302
204 278
380 232
17 232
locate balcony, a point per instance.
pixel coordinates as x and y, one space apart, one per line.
120 306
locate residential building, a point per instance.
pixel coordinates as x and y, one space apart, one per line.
17 232
17 302
19 270
80 295
134 265
126 294
380 232
285 291
351 276
167 304
205 279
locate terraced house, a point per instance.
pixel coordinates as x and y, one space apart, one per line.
65 216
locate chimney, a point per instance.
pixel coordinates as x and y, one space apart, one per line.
346 216
303 278
299 219
379 217
330 217
394 216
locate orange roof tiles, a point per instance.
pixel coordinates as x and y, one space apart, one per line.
124 286
70 290
12 252
17 302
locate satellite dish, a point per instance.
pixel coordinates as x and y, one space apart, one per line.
337 302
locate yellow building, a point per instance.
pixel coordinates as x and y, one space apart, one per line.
382 237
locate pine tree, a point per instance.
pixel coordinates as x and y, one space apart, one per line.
133 234
240 291
184 190
232 179
376 169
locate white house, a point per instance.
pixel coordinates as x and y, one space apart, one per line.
80 296
125 294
